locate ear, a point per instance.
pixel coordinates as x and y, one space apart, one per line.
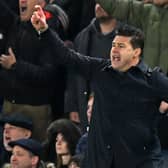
137 52
35 160
28 133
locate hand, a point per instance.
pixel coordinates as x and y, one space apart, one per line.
38 19
163 107
7 61
74 116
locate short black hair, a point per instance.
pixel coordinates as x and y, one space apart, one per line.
136 34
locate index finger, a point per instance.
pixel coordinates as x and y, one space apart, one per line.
39 9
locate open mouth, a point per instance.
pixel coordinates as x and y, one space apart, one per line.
7 139
116 58
23 8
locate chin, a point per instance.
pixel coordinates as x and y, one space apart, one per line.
24 18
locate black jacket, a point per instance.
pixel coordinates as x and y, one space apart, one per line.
33 79
124 120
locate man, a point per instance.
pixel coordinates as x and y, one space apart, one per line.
26 154
15 126
34 96
95 41
127 97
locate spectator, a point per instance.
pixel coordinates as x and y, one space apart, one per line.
42 95
26 153
15 126
61 142
82 144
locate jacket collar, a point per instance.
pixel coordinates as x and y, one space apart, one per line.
141 66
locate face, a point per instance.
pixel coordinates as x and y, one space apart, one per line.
101 14
26 8
61 145
12 133
122 55
21 158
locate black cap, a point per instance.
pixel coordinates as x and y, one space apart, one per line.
17 119
29 144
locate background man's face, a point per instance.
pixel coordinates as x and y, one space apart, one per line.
101 14
26 8
12 133
21 158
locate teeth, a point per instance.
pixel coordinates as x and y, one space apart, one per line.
116 58
23 9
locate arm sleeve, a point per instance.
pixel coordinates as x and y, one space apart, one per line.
160 83
85 65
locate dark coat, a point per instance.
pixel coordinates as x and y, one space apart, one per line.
33 80
125 113
9 12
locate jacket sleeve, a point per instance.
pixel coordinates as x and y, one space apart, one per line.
160 83
85 65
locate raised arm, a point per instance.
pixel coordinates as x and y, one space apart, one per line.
62 54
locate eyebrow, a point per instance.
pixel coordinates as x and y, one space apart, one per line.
118 44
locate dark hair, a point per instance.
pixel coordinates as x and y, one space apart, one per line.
137 36
70 132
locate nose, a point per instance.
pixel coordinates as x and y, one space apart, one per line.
58 142
114 49
13 157
6 130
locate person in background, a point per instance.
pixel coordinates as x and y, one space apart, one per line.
41 95
81 146
15 126
62 137
26 153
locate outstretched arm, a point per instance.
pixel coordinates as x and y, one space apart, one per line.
62 54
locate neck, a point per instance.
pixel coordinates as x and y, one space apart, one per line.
65 159
108 26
